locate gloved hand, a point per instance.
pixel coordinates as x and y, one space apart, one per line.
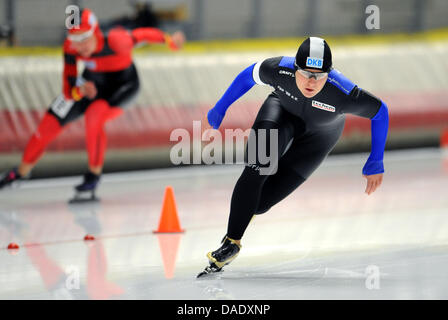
214 117
373 167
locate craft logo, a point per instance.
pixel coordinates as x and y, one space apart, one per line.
288 73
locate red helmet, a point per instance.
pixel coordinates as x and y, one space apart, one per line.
87 25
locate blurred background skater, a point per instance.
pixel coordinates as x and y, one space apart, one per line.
306 113
108 85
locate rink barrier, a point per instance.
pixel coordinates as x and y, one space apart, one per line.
258 44
180 88
142 127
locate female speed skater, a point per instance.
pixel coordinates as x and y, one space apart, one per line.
108 85
307 111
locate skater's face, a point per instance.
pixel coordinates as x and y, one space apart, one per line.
86 47
309 86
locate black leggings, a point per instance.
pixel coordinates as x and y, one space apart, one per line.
119 89
299 153
256 194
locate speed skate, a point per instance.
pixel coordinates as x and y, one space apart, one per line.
85 192
221 257
84 196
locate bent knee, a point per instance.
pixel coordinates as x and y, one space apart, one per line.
262 210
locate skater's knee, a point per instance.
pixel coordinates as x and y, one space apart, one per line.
251 176
96 113
48 127
262 209
262 150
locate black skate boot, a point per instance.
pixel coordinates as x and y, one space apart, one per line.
9 177
85 192
222 256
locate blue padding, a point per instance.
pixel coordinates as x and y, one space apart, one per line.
380 125
242 83
287 62
340 81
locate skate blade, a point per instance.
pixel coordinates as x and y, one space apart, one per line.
80 199
209 271
11 186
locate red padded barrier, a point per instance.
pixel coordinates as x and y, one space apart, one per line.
143 127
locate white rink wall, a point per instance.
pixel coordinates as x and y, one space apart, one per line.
28 83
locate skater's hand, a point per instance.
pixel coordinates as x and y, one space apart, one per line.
373 182
177 40
205 129
215 118
88 90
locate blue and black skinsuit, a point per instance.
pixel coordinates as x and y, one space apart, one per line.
308 129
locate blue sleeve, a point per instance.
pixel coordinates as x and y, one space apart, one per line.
242 83
380 125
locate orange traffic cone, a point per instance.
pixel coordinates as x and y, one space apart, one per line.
169 245
444 138
444 147
169 221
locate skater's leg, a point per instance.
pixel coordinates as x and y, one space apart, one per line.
112 99
247 192
48 129
108 106
272 122
278 186
248 189
97 114
302 159
244 202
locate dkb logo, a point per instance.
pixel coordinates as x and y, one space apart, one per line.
314 62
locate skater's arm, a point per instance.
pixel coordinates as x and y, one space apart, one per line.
366 105
379 128
154 35
242 83
70 73
362 103
123 41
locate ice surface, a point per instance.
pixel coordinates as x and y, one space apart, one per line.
328 240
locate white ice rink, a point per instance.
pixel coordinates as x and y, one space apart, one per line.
328 240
